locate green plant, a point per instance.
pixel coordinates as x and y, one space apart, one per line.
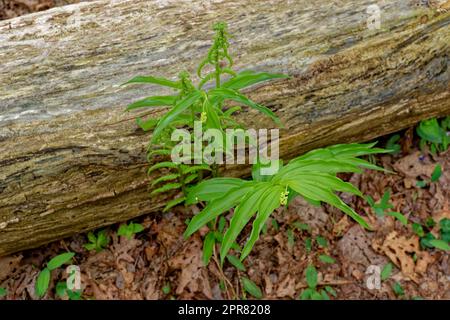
128 230
386 272
43 279
392 144
312 292
382 208
435 176
313 176
192 103
3 292
97 242
398 289
434 134
251 288
428 240
62 291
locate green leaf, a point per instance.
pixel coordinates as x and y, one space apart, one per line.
418 229
311 276
321 241
59 260
326 259
331 291
215 208
400 217
137 227
270 201
222 222
212 189
437 173
392 144
3 292
165 178
166 187
160 165
246 79
61 288
208 247
236 262
306 294
166 288
42 283
421 184
440 244
174 112
220 94
324 295
308 245
172 203
155 101
155 80
291 238
386 272
301 226
242 214
398 290
251 288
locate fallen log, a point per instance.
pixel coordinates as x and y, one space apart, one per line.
71 160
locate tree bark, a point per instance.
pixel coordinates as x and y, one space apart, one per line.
71 160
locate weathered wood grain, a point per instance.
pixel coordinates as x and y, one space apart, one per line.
71 160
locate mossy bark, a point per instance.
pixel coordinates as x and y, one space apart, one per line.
72 160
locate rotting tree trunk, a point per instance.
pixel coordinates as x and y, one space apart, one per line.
71 160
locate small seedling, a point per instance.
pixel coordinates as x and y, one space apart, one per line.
386 272
43 279
97 242
398 289
312 293
62 291
383 207
428 240
435 176
392 144
166 288
128 231
251 288
434 134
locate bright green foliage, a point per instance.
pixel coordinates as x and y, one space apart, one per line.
312 292
437 173
129 230
251 288
62 291
398 289
97 242
434 134
166 288
428 240
386 272
192 103
43 279
392 144
3 292
382 208
326 259
313 176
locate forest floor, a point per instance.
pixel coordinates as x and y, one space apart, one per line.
159 264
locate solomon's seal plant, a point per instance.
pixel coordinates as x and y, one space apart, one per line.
192 103
312 176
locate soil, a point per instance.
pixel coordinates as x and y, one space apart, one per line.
159 264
